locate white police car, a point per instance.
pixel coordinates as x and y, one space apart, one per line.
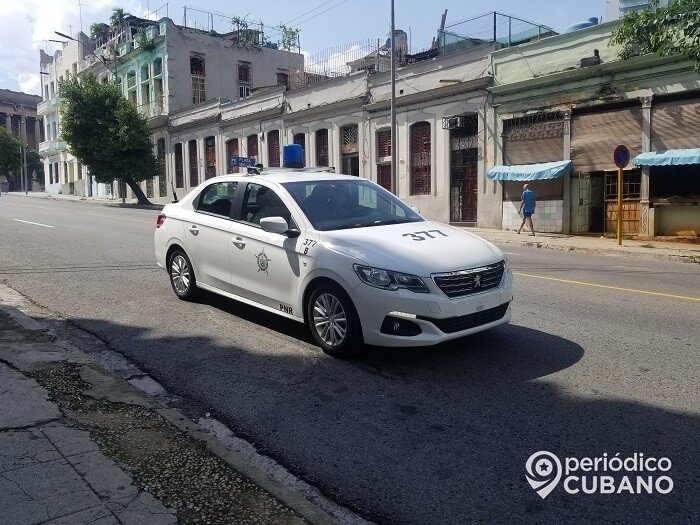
337 252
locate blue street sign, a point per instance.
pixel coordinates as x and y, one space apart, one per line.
241 162
621 156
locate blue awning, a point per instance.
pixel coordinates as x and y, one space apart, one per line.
668 157
525 172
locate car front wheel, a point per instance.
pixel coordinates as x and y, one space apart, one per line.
182 276
333 321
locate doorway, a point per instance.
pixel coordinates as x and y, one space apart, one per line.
464 157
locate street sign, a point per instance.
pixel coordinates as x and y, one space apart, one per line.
241 162
621 156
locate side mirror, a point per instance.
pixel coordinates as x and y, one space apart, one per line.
274 225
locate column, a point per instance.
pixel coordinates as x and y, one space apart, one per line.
566 196
8 123
646 212
37 132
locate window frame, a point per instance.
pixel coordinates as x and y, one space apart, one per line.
242 189
196 202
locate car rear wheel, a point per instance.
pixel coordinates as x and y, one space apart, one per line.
333 321
182 276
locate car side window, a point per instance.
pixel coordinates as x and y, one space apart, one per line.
260 202
217 199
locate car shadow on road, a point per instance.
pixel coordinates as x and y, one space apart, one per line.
425 435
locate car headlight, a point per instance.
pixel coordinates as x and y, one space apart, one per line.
389 280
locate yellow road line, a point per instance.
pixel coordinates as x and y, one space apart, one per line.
606 286
77 212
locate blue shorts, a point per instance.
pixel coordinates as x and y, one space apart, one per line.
528 214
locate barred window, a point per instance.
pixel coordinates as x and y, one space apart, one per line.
322 147
197 72
420 158
252 143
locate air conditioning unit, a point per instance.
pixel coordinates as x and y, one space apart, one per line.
454 122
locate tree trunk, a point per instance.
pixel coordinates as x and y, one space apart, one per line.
140 196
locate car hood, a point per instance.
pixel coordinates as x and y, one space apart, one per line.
399 247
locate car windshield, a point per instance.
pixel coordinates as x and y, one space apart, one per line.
342 204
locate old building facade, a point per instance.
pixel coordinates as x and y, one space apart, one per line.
570 100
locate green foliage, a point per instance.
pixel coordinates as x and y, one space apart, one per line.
98 29
118 18
106 133
245 36
144 42
665 31
290 37
10 158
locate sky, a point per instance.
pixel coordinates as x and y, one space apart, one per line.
27 25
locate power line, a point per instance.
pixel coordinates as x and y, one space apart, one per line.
311 11
319 14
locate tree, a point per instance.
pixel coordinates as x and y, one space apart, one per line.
106 133
98 30
290 37
10 158
118 19
666 31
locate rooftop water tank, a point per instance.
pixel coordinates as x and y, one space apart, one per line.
593 21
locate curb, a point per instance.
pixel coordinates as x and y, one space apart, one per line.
122 381
612 252
110 203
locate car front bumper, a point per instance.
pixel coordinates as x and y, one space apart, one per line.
403 318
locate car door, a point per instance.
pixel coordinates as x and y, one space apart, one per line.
265 266
208 234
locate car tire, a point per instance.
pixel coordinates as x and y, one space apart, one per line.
333 321
182 277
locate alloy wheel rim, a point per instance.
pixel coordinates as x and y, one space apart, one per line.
180 274
330 319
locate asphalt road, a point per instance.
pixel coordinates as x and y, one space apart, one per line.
432 435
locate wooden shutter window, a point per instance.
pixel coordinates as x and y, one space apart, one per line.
384 143
420 158
179 166
322 147
300 138
273 148
594 137
210 156
675 125
384 176
252 143
194 175
231 151
530 142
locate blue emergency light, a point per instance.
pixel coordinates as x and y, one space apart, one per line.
292 156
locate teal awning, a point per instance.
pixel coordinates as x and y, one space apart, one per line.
668 157
525 172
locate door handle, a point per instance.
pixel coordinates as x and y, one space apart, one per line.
194 230
238 242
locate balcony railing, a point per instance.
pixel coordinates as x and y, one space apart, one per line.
49 147
153 109
43 106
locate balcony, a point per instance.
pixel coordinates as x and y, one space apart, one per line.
43 107
153 109
51 147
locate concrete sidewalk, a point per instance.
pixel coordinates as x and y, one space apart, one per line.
86 437
686 252
103 201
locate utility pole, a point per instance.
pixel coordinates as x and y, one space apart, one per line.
394 167
23 138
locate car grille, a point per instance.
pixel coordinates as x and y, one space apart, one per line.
467 282
465 322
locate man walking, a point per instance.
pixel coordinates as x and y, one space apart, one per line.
527 208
